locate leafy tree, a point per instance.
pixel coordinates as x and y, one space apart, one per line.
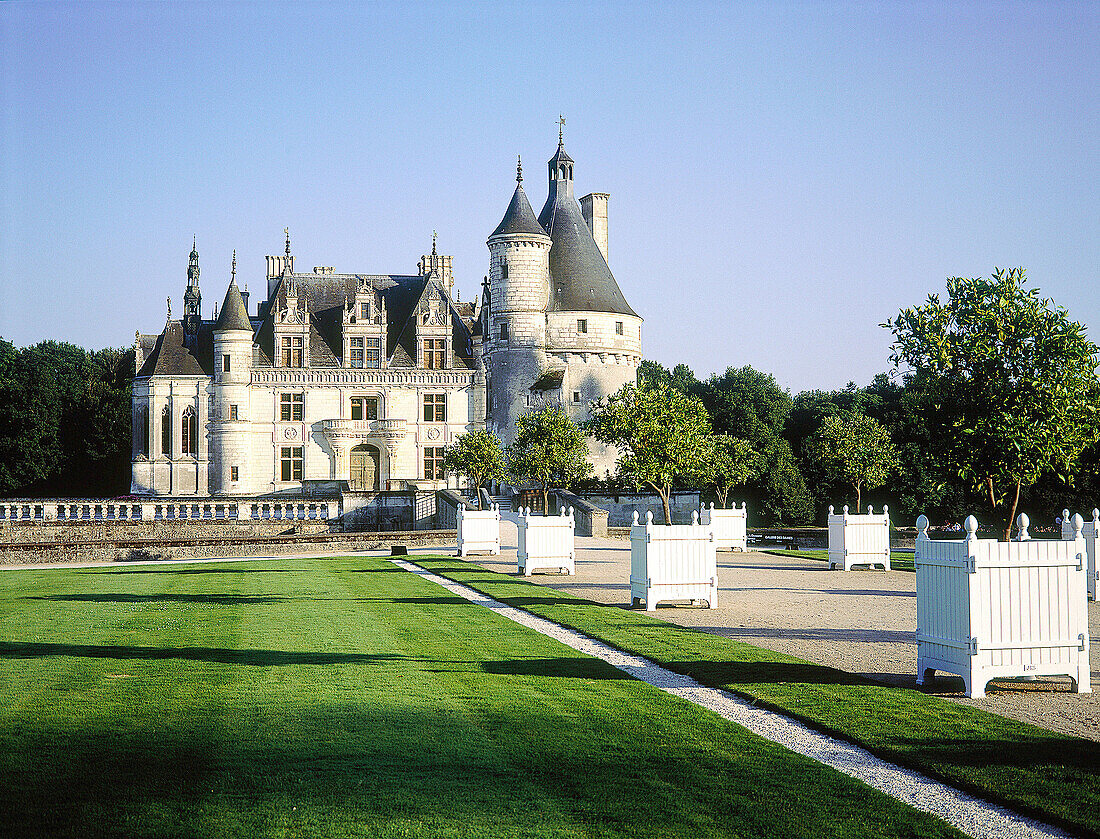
784 496
654 374
854 448
733 462
1006 382
548 448
662 436
479 456
746 403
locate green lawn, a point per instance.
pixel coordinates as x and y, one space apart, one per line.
1051 776
349 698
899 561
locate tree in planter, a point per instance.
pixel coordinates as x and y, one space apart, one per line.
548 448
662 436
853 448
479 456
734 462
1006 382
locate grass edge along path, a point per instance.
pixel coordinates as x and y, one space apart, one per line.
899 560
1039 773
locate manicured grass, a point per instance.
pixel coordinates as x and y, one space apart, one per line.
898 561
1051 776
350 698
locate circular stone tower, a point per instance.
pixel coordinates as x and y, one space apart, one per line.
229 443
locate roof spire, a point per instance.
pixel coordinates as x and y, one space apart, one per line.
286 230
561 129
233 270
433 243
519 169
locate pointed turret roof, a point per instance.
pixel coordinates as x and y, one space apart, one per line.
234 314
580 280
519 218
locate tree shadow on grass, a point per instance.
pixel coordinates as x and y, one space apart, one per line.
214 599
567 668
742 673
256 658
218 570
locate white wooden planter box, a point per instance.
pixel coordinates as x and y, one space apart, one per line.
546 542
729 526
1090 531
672 562
989 609
859 539
478 530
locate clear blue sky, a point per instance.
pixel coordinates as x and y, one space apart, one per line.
783 176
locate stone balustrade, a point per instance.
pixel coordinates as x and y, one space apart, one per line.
64 511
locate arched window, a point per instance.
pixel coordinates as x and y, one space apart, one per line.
563 171
189 427
166 432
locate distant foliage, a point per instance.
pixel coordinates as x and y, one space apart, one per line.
64 420
733 463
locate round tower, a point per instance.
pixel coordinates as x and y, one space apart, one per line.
519 290
229 421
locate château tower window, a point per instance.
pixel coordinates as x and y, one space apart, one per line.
290 463
435 353
504 332
290 407
356 347
504 269
435 407
582 326
234 474
189 432
233 413
141 428
433 463
364 408
291 351
374 353
166 431
225 363
576 397
618 327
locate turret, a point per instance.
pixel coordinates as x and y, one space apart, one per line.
515 325
232 374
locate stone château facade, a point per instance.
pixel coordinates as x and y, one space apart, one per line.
340 383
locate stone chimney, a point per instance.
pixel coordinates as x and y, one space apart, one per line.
594 210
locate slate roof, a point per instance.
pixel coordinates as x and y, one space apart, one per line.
172 357
233 315
580 280
519 217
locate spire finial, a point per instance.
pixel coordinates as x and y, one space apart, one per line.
286 230
433 243
194 242
169 308
519 169
561 129
233 274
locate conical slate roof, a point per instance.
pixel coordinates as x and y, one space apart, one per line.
233 314
519 218
580 280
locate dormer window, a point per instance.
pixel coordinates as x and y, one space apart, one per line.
364 310
435 353
291 347
356 347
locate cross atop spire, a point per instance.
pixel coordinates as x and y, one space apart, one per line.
519 169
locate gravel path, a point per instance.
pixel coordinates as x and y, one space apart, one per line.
970 815
860 622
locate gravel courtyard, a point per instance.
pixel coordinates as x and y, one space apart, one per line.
861 621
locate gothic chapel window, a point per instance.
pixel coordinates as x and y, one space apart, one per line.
189 428
166 431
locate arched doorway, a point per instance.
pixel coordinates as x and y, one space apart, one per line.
364 475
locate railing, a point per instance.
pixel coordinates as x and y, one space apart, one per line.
84 510
350 427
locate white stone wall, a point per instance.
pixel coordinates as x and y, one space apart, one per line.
527 287
172 472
